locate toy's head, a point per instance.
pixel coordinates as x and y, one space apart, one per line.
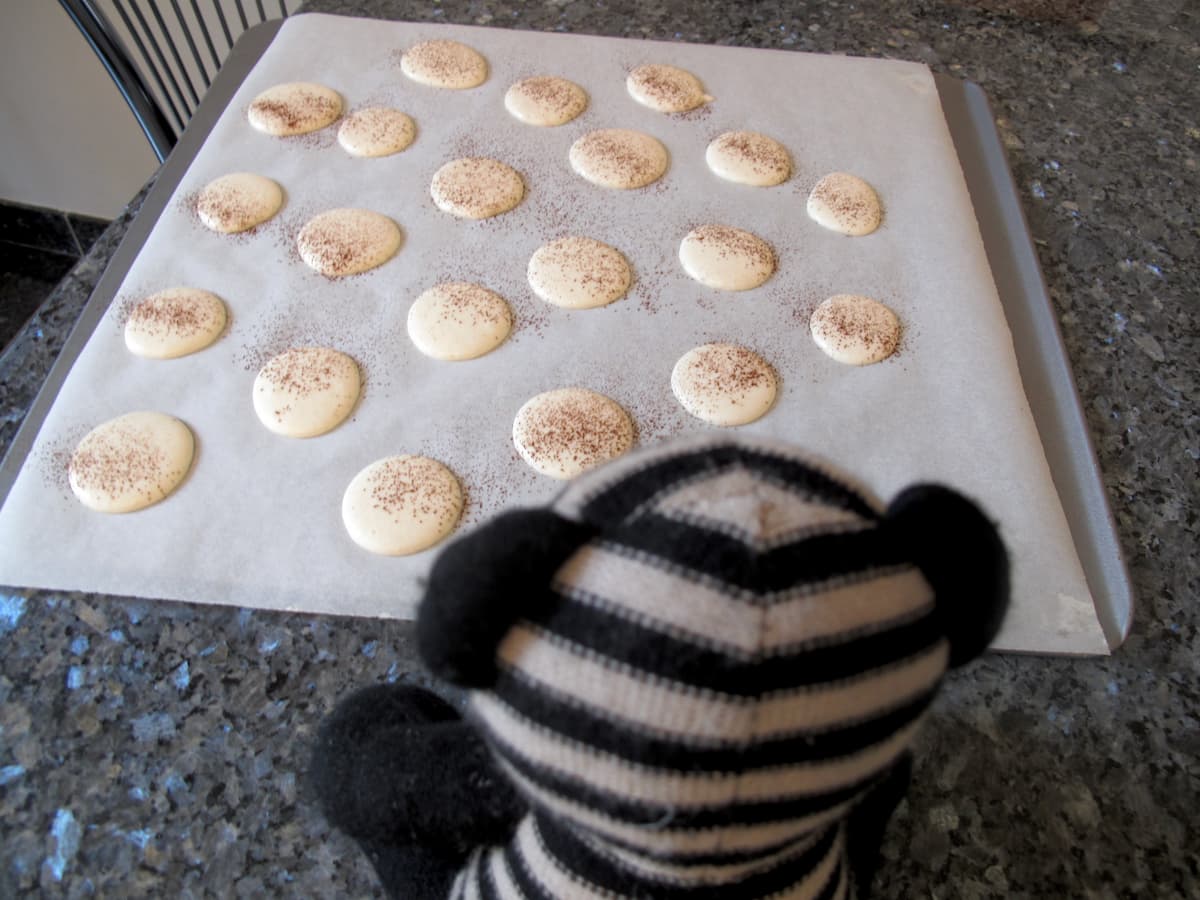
713 647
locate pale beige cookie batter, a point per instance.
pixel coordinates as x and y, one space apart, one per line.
401 505
726 258
348 241
747 157
855 330
545 100
579 273
476 188
294 108
567 431
667 89
306 391
846 204
174 323
238 201
376 131
619 158
456 320
131 462
724 384
444 64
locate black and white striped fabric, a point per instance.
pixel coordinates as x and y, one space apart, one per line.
716 678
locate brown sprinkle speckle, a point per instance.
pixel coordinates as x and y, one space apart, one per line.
476 187
571 430
297 108
766 158
446 64
415 487
620 158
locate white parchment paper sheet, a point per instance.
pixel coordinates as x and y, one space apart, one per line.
257 523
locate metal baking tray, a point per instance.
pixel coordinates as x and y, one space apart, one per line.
1041 356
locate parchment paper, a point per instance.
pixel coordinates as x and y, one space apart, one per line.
257 523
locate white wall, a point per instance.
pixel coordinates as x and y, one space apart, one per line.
67 139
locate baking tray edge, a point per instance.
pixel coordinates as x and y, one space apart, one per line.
1041 355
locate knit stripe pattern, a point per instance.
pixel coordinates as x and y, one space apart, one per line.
712 683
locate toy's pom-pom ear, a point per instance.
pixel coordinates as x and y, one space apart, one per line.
961 555
481 584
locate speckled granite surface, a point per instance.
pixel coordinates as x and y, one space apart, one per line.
152 749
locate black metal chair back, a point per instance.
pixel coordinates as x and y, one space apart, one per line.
180 45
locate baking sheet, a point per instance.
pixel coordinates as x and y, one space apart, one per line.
257 522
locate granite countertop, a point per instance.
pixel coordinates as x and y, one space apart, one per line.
159 749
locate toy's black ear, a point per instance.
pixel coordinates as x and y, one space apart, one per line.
961 555
481 584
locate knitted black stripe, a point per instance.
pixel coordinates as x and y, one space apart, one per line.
615 502
723 558
488 890
645 813
600 871
626 740
691 858
674 660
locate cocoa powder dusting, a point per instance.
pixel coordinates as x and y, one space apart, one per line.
415 487
726 242
303 111
445 62
225 206
620 156
302 371
849 201
161 315
342 242
765 157
728 371
477 187
866 327
121 461
669 88
578 426
559 98
469 305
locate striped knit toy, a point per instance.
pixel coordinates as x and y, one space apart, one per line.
698 674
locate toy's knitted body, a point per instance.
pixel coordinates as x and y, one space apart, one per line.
723 651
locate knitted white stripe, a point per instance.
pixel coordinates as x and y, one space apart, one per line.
816 880
709 615
557 881
843 888
617 690
751 506
562 884
625 780
866 606
732 838
706 873
643 592
502 877
471 882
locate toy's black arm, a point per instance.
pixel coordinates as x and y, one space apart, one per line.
961 555
482 584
